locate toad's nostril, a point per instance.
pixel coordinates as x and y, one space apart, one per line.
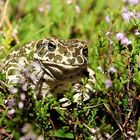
85 52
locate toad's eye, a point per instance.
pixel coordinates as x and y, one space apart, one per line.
51 46
85 52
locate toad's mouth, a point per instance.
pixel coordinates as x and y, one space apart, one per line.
61 71
63 65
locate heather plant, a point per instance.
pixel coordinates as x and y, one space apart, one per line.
112 30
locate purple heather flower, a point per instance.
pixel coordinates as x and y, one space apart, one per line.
41 9
22 138
120 36
131 2
13 90
11 111
20 105
112 70
29 136
138 15
11 103
124 9
107 18
26 128
24 86
108 83
77 8
69 1
127 15
22 96
123 39
48 5
137 32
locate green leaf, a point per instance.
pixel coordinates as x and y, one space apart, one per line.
62 134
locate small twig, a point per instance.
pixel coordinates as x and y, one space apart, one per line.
3 13
120 127
127 117
52 124
5 18
113 134
11 27
129 76
62 108
3 86
92 130
88 107
4 132
20 9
